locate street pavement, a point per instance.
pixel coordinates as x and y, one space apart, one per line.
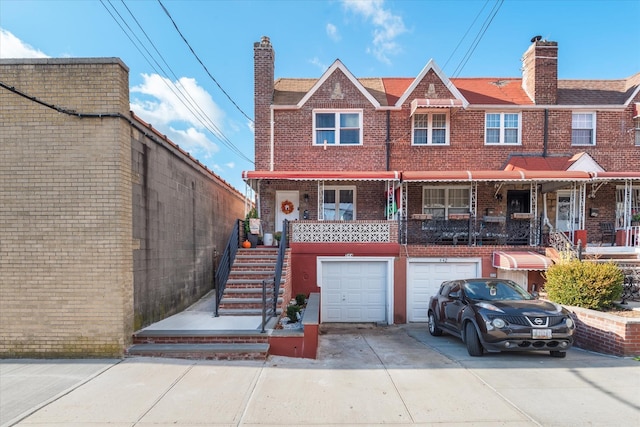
364 376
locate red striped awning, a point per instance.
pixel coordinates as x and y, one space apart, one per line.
521 261
324 175
491 175
428 103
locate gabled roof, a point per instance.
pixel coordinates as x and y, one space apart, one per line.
431 66
337 65
499 91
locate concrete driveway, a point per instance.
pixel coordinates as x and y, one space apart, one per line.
364 375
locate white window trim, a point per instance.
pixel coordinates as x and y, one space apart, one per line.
338 111
593 120
637 132
502 128
337 188
430 113
447 188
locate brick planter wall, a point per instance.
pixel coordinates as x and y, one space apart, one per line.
606 333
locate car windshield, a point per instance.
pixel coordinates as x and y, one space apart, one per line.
491 290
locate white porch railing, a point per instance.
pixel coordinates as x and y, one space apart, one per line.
344 231
633 236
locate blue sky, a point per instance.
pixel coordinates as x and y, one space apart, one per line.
466 38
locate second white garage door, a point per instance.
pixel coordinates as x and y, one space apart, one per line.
354 291
424 277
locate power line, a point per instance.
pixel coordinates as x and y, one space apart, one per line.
180 92
465 34
201 63
476 41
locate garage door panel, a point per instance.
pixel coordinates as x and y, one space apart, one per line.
424 280
354 291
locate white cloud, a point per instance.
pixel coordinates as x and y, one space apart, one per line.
13 47
230 165
185 119
316 61
332 32
387 26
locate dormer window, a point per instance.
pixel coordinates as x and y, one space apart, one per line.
431 129
337 127
502 128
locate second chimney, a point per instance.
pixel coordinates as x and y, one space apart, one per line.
540 71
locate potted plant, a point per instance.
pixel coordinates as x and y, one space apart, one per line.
635 218
251 234
277 236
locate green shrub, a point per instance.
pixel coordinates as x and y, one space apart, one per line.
584 284
292 312
300 299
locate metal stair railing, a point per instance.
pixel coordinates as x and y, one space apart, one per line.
560 242
272 310
226 262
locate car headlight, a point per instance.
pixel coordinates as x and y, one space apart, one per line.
569 322
498 323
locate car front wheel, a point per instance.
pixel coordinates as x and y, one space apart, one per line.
474 347
433 326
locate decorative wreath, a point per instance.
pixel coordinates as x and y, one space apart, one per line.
286 207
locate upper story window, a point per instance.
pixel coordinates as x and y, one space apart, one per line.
337 127
583 129
430 128
502 128
441 202
637 120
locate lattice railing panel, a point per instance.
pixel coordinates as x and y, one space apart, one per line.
341 231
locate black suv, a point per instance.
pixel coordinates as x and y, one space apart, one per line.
498 315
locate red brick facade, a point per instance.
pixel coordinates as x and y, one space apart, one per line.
545 105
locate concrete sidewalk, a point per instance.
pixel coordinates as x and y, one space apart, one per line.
364 375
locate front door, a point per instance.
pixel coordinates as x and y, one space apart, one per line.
287 207
518 227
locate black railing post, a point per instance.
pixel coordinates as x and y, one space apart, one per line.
226 262
264 305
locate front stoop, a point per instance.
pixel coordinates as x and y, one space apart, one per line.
243 291
201 344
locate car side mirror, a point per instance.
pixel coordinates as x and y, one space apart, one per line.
535 294
454 295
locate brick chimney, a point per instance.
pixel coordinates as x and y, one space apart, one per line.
540 71
264 69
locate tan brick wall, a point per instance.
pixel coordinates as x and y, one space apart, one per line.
66 283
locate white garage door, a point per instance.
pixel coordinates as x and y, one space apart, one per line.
354 291
425 277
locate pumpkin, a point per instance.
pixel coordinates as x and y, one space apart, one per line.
246 244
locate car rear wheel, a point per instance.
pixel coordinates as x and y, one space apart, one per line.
474 347
433 326
556 353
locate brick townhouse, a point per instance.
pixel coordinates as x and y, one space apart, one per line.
391 185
